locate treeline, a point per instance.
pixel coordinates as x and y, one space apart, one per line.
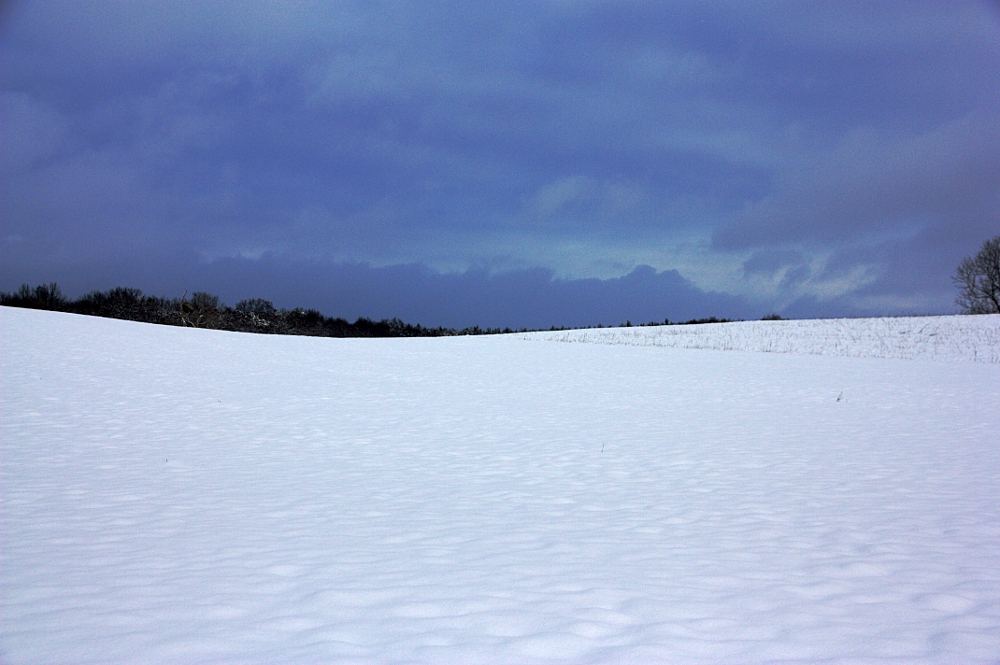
203 310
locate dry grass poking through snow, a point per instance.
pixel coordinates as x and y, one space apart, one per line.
969 338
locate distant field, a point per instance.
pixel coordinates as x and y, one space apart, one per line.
971 338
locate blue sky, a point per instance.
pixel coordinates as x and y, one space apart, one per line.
558 162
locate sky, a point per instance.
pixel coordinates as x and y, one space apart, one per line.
523 164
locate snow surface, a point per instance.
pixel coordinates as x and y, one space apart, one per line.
972 338
173 495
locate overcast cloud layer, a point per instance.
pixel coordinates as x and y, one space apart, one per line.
532 163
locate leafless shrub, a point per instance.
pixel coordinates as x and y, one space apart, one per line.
978 280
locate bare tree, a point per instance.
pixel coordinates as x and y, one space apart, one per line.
978 280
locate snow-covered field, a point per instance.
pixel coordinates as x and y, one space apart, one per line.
171 495
972 338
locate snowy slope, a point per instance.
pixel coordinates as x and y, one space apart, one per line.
174 496
970 338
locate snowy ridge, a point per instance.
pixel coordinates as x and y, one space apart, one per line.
171 496
967 338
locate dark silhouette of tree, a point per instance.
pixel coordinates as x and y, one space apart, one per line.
43 296
118 303
258 306
255 315
978 280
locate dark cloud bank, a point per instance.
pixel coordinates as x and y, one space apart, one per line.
530 298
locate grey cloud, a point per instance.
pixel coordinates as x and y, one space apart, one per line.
32 132
769 261
795 276
400 132
869 186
